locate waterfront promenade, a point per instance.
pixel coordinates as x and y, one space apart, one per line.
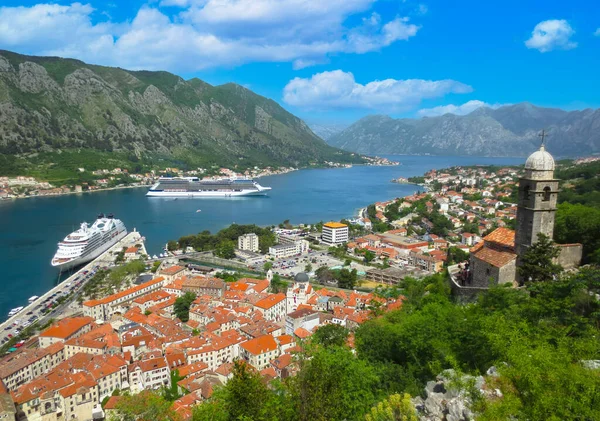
71 285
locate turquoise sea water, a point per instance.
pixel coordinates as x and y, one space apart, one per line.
30 228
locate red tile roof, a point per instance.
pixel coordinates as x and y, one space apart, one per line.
494 257
66 327
270 301
260 345
501 236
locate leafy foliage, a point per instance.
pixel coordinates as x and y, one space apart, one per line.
394 408
579 224
537 263
181 308
330 335
226 239
146 405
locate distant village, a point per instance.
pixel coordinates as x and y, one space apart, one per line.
22 186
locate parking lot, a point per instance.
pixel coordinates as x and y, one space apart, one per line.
290 266
48 306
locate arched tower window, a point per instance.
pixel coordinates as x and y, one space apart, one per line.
526 193
546 197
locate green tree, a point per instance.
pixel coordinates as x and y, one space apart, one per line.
347 278
333 384
369 256
226 249
537 263
396 407
245 397
277 284
146 405
171 392
181 308
456 255
308 268
267 266
172 245
330 335
579 224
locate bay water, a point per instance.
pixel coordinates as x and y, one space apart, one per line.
31 228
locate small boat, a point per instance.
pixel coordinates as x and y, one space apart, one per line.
155 257
32 299
198 210
14 311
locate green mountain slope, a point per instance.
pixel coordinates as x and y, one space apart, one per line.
50 105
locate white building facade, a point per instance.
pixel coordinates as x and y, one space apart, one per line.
335 233
248 242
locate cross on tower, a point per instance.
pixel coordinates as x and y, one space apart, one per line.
543 135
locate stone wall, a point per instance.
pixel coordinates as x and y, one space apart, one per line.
462 294
508 273
483 274
570 255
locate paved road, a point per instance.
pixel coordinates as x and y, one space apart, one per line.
40 309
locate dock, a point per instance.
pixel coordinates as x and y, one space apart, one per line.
104 259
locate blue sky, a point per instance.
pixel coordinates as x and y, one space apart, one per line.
337 60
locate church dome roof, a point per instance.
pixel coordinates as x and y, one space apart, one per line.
301 277
540 161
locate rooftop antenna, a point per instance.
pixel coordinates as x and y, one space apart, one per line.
543 135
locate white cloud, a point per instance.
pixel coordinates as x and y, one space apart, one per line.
205 33
338 89
597 33
551 35
464 109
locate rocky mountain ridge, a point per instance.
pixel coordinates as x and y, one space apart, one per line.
506 131
52 104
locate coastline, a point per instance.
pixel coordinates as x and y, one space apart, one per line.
256 177
73 192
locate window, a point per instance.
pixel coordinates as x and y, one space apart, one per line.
526 193
546 197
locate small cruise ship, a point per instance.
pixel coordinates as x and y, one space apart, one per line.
89 242
193 187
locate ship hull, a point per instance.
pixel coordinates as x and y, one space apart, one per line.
207 194
78 261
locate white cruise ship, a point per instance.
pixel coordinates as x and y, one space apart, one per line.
194 187
88 242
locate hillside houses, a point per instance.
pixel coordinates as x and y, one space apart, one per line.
132 340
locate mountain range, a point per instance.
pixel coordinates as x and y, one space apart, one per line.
51 104
511 130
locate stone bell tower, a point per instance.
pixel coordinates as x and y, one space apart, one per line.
536 208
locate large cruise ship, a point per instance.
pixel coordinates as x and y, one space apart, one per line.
194 187
88 242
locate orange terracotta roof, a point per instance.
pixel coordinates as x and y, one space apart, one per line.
270 301
494 257
176 284
238 286
261 286
172 270
302 333
260 345
282 361
112 402
502 236
132 290
66 327
269 372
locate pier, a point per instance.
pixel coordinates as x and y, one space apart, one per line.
66 287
